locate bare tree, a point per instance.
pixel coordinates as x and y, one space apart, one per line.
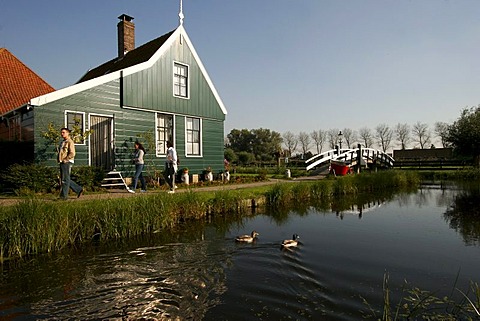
332 137
421 134
319 137
350 137
402 133
441 130
384 136
366 137
305 142
290 142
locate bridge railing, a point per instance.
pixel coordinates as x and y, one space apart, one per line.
322 158
349 156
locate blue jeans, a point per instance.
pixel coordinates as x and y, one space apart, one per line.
67 183
138 174
169 175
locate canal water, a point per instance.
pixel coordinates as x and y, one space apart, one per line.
428 239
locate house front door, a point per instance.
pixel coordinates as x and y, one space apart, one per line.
101 142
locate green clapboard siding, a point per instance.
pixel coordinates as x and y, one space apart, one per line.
103 100
153 88
212 147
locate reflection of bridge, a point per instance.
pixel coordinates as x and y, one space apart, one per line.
351 156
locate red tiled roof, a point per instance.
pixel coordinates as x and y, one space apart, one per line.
18 83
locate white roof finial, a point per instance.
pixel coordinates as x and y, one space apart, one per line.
181 13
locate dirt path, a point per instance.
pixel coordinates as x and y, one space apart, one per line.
116 193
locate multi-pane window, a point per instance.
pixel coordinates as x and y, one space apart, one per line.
180 80
14 128
192 133
76 123
164 132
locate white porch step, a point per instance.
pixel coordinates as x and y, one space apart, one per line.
114 178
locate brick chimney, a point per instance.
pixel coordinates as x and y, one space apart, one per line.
126 35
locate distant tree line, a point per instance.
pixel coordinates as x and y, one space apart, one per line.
248 146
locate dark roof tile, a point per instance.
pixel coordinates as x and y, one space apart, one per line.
132 58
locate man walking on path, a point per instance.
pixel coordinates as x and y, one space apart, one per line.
66 156
171 166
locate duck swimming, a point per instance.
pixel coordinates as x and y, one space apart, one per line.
291 243
247 238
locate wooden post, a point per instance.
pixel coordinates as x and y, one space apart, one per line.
359 158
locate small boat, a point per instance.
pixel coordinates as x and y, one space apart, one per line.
339 168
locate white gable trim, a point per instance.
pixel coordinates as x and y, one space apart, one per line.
202 68
67 91
179 32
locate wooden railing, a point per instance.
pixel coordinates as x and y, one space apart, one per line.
434 164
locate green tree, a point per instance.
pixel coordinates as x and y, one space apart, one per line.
245 158
263 144
230 155
240 140
464 133
266 144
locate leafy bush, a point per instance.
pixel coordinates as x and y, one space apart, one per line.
35 178
262 175
88 177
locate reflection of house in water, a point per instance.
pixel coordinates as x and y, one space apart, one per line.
356 209
180 280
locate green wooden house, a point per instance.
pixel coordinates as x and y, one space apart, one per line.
156 92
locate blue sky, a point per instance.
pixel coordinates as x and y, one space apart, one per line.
284 65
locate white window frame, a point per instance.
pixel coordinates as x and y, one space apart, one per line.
200 143
175 83
83 142
157 138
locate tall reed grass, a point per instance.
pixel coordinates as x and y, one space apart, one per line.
35 226
417 304
282 194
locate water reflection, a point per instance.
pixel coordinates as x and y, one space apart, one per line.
464 214
340 205
170 280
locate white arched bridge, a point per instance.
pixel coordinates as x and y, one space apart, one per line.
350 157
